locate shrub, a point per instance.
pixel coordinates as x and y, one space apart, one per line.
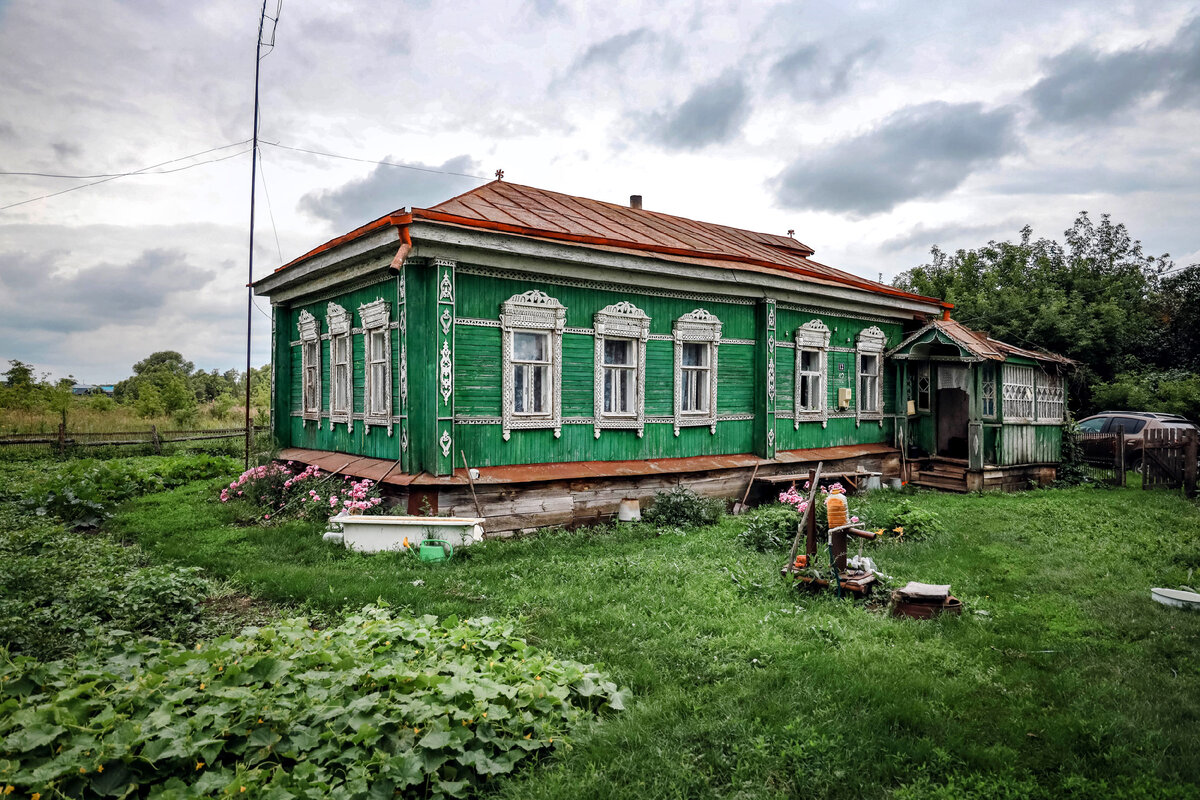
912 523
277 491
83 493
63 591
680 506
377 706
770 527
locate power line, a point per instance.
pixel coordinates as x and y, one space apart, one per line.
270 212
371 161
143 171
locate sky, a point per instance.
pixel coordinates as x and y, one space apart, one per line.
875 130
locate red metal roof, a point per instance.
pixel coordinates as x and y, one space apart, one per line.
539 213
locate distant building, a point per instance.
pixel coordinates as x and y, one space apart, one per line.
90 388
578 352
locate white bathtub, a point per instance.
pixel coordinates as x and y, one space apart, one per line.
373 534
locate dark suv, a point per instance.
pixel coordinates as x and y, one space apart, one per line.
1134 423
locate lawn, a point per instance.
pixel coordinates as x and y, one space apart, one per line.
1062 679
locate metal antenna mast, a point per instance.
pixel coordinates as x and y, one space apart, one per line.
259 55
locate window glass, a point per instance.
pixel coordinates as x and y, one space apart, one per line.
1131 424
1091 425
695 354
618 352
529 346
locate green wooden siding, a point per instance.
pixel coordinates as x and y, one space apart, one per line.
1030 444
296 432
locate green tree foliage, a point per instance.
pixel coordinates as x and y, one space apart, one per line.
1097 298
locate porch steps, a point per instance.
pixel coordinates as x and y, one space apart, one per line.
948 475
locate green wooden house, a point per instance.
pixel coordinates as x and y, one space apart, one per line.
577 352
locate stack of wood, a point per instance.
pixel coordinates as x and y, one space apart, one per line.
924 601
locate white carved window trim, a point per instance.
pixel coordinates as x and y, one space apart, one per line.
1017 391
697 326
376 321
871 342
812 337
1051 397
924 386
310 367
534 312
987 383
341 366
621 321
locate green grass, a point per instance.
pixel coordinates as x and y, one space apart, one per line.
1074 684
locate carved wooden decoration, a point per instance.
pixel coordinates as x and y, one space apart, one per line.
699 326
536 312
812 337
624 321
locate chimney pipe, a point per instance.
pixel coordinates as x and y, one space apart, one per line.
635 201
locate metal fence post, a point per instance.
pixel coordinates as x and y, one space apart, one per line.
1190 456
62 438
155 440
1120 454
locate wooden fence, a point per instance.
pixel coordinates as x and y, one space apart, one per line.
63 439
1169 457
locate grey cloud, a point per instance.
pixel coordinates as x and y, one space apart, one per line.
1082 85
609 51
1100 179
65 150
548 8
714 113
922 237
921 151
41 295
811 72
7 132
389 188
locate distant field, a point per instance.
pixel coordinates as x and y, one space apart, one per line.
83 418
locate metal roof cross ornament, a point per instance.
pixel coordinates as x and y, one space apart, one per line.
499 174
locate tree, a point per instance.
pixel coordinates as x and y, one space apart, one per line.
1092 299
19 374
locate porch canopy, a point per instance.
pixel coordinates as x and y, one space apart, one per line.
963 387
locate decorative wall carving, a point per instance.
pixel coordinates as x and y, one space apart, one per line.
446 372
696 326
446 443
812 335
532 311
310 367
377 400
341 366
621 320
872 341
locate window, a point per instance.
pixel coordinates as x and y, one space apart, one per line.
868 382
620 377
1017 393
809 401
340 366
694 379
622 330
1092 425
697 336
869 403
377 347
924 388
1131 425
1050 397
531 372
989 391
531 327
310 366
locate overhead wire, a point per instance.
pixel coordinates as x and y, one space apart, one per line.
143 171
270 212
372 161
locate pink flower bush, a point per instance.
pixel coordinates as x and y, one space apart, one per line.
283 490
793 499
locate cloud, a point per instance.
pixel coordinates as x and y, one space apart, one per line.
712 114
923 237
919 152
386 189
42 294
607 52
810 72
66 150
1082 85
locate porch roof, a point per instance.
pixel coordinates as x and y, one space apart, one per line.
973 345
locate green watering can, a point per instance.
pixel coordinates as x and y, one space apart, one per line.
434 550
